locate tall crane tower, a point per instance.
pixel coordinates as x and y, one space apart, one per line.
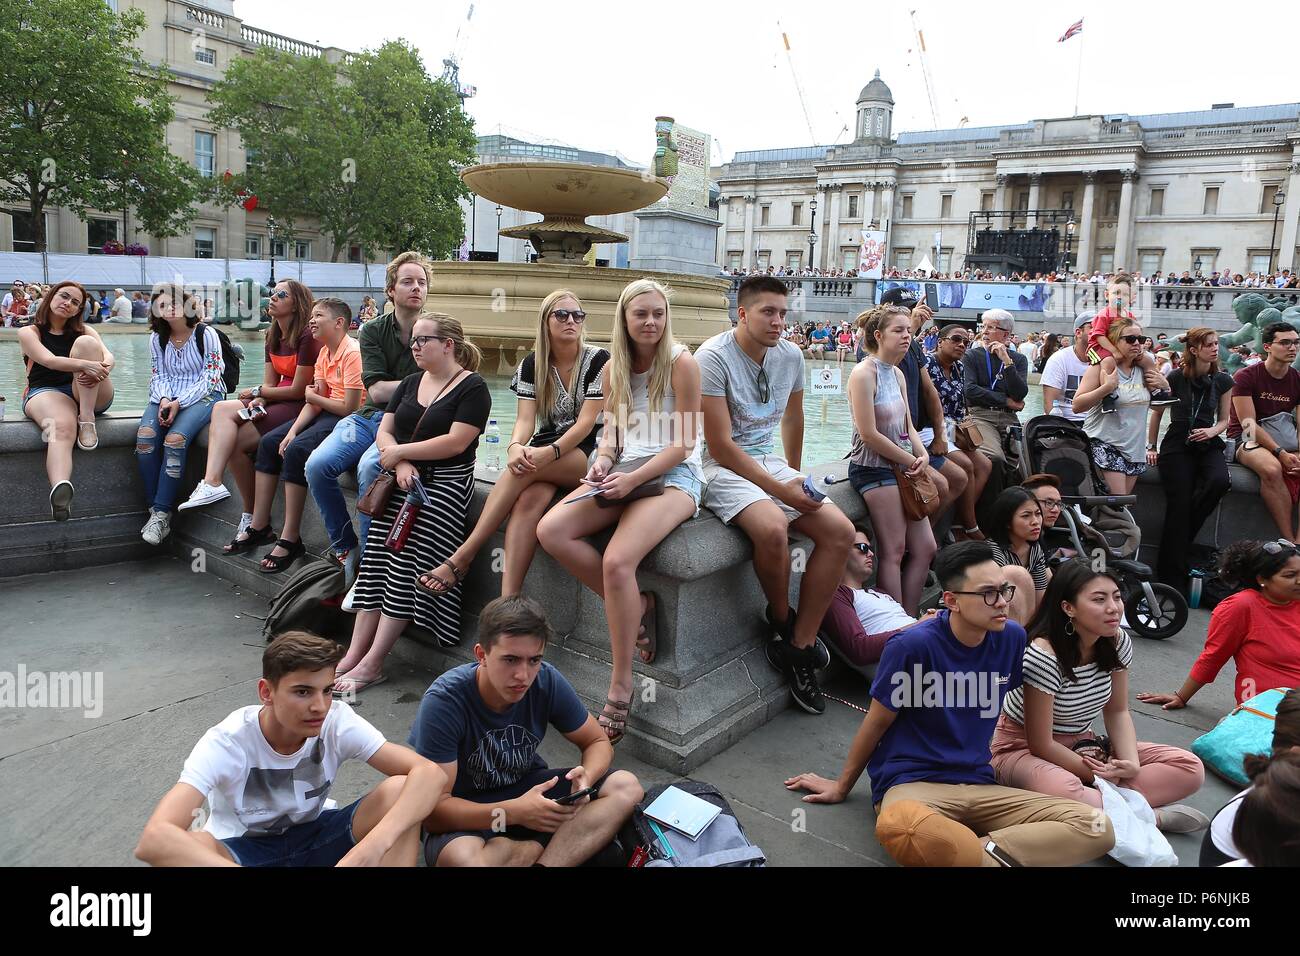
929 80
451 65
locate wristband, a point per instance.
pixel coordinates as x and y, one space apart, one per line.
512 445
558 453
1277 452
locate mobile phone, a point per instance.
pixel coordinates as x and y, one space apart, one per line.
932 296
1002 856
575 796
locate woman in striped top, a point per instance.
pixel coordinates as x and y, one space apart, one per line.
1075 669
185 386
1015 529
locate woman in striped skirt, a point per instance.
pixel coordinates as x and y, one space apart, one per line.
431 430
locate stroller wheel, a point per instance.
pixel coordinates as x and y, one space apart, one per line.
1165 618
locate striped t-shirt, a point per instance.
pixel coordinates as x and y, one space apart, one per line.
1075 704
1037 566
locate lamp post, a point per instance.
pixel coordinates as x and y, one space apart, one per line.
1279 198
270 229
1069 239
812 233
498 233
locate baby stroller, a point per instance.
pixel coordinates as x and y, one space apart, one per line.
1098 526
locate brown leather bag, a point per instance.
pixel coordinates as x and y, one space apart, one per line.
375 500
920 495
966 434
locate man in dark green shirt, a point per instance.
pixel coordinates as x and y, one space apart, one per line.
385 361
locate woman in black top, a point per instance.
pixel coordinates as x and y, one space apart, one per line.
68 384
1192 467
560 398
431 431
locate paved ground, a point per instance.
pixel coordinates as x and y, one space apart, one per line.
179 651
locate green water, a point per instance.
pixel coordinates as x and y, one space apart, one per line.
827 427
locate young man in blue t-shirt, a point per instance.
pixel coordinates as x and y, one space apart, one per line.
482 723
925 740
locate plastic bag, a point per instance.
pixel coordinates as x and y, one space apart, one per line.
1137 840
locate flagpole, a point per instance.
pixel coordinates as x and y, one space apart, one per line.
1078 80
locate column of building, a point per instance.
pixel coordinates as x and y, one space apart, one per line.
1000 201
1035 181
722 231
749 232
1286 257
1124 228
1083 262
833 235
887 217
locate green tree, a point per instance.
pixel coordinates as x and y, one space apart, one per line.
370 149
83 117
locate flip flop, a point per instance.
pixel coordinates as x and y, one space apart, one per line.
356 686
648 631
94 434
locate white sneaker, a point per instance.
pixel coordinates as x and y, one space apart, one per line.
205 494
347 600
159 526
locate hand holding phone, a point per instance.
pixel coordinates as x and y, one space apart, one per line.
575 796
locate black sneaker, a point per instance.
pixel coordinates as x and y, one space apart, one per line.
1108 404
1163 397
801 674
785 632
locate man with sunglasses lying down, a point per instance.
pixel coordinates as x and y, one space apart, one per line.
936 698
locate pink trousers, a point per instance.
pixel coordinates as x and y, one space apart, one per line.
1168 774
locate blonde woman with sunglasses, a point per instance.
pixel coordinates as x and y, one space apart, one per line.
560 397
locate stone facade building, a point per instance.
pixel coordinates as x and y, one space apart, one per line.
1154 192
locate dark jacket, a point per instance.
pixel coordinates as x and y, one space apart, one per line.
1008 381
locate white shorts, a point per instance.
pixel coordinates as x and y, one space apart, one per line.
727 494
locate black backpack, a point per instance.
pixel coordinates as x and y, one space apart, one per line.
309 601
229 357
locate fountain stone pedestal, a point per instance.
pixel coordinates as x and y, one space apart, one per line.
673 240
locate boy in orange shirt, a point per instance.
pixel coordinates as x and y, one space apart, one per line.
335 393
1119 296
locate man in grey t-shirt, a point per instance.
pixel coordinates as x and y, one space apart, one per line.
748 377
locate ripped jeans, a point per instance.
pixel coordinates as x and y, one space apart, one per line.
161 451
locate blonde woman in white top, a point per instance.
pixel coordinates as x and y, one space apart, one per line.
652 416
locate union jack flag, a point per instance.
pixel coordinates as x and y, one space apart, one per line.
1076 27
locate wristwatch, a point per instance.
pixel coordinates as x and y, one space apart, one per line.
1277 451
256 391
1151 447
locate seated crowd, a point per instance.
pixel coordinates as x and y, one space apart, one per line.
1026 653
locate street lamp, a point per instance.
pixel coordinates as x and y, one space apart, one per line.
270 229
1196 266
498 233
812 232
1069 239
1279 198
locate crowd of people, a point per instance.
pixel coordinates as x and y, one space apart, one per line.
1278 279
637 438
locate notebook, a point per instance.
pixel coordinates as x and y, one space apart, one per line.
682 811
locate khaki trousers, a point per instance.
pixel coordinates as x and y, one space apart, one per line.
993 424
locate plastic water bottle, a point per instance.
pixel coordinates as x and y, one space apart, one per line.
493 438
2 408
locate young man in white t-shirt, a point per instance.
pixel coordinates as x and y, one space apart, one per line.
267 771
1064 371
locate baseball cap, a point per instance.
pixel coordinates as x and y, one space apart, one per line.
1084 318
900 295
917 835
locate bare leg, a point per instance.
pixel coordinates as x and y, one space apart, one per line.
980 469
222 430
1116 482
90 398
1025 603
889 527
769 533
595 824
372 664
1272 488
56 416
832 534
916 567
363 635
500 851
563 532
263 498
241 465
376 805
521 535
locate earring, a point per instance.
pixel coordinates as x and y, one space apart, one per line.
1069 628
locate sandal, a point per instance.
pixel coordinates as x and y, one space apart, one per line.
649 633
257 537
439 587
615 724
274 564
968 534
94 436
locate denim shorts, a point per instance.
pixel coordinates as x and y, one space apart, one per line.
66 390
681 476
864 478
320 842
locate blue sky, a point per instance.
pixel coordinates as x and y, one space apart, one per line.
595 74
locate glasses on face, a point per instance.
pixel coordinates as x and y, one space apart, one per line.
862 548
1133 339
576 316
959 340
1287 343
1278 546
280 294
1049 504
992 595
420 341
764 387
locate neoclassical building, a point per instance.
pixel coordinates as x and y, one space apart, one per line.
1153 192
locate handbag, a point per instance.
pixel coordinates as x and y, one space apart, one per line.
919 493
967 435
1247 730
1281 428
647 489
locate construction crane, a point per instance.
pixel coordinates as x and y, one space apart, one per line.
798 87
451 65
929 80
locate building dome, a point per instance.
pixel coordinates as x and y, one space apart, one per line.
876 91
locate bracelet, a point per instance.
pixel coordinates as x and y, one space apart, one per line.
558 454
512 445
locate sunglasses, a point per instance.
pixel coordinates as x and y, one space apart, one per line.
576 316
862 548
281 294
991 595
958 340
420 341
764 387
1278 546
1133 339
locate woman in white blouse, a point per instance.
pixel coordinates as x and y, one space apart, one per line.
185 385
1076 669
